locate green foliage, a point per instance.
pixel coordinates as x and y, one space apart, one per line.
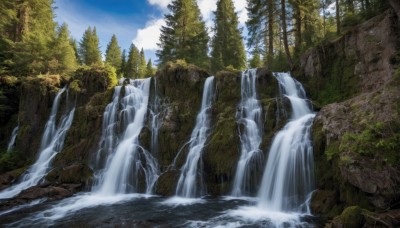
11 160
352 217
227 46
255 60
133 63
142 65
89 49
184 36
34 38
103 76
122 68
150 70
64 54
379 140
113 53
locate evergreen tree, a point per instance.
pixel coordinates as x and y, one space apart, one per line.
74 45
89 49
34 35
184 36
121 69
132 65
150 71
64 52
8 18
227 45
255 60
113 53
262 26
142 65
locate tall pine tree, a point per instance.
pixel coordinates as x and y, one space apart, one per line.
142 65
150 71
113 53
227 45
89 49
64 53
132 64
34 35
184 36
121 69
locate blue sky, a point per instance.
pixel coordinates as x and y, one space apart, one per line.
136 21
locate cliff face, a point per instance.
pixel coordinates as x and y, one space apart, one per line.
356 141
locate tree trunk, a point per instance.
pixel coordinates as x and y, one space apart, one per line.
396 6
337 17
271 18
297 34
285 36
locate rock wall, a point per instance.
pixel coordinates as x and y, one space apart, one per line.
356 141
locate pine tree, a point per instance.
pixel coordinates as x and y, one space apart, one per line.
184 36
132 65
74 45
64 52
8 18
149 69
89 49
227 45
113 53
121 69
255 60
261 26
142 65
34 35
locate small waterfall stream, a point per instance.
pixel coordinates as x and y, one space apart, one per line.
249 117
190 183
11 143
52 143
288 177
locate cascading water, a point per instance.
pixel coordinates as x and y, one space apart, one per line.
109 136
157 113
127 160
52 143
191 173
249 117
11 143
288 177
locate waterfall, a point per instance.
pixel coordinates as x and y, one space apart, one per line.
157 113
249 119
127 160
52 143
288 177
11 143
109 137
188 182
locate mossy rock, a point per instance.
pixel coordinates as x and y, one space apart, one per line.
77 173
166 183
352 217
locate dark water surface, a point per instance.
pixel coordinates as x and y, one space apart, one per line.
150 211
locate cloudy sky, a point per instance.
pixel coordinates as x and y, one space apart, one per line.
137 21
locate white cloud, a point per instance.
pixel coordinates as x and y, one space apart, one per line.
148 37
160 3
240 6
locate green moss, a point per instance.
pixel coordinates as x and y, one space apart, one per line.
12 160
96 78
352 217
379 140
75 86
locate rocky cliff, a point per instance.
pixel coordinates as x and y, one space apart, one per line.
357 131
